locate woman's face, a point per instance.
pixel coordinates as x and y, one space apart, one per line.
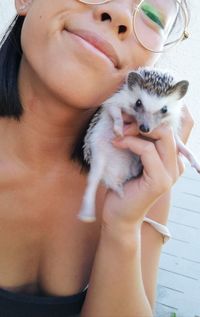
69 67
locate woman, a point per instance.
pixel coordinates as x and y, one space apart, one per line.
76 53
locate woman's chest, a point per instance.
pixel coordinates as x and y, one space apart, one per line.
41 238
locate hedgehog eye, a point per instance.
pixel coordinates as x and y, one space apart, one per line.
138 103
164 109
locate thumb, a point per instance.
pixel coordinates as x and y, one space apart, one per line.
131 129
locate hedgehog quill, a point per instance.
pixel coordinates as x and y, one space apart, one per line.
152 97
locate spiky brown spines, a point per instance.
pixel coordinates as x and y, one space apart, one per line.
156 82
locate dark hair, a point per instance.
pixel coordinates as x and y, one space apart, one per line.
10 57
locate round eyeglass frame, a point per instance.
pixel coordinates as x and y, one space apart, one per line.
183 36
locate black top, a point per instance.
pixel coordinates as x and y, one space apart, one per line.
26 305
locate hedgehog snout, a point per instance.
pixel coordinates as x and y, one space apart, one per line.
144 128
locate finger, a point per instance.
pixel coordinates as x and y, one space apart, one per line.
166 146
128 130
131 129
181 164
127 118
153 166
187 123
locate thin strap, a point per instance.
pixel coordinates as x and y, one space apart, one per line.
160 228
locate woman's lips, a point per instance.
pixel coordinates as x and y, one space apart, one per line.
99 43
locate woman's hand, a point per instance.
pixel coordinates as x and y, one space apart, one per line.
162 167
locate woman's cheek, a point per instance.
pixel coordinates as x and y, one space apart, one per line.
89 91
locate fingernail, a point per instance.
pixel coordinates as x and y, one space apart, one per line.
126 127
131 130
117 141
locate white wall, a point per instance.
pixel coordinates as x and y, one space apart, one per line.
7 11
184 60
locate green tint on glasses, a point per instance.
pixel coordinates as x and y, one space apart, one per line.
152 13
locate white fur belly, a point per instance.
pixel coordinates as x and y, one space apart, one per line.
109 165
118 166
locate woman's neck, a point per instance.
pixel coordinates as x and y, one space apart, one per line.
48 127
39 140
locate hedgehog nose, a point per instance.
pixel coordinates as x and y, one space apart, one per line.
144 128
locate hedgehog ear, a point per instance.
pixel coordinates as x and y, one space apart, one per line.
179 90
134 79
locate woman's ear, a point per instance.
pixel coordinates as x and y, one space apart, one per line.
22 6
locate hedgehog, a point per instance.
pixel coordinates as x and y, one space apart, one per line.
152 97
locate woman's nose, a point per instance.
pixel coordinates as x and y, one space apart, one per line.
118 16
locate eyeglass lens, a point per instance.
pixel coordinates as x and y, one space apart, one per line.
158 24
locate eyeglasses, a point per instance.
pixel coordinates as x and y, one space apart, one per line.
158 25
